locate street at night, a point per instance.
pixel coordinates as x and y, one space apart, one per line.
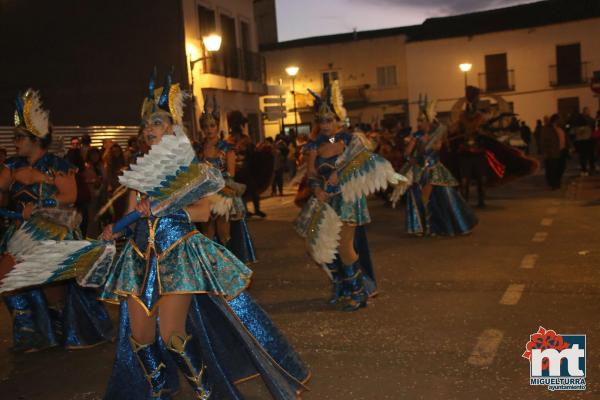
451 319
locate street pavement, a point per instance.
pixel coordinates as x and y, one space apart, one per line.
451 320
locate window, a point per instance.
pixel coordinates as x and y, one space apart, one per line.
229 47
206 20
245 36
496 73
568 64
207 26
386 76
329 77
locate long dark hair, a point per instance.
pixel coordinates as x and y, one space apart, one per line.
97 164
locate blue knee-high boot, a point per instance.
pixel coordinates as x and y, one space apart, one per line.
154 368
190 363
336 280
353 287
34 328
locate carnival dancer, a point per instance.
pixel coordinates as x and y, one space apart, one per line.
342 170
433 204
228 212
476 153
182 295
41 191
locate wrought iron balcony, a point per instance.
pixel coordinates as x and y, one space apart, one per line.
237 63
497 81
567 74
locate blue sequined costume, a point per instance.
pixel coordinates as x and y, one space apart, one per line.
235 336
83 321
446 212
355 213
169 256
228 337
240 242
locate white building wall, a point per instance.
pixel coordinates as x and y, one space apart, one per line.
356 63
232 94
432 66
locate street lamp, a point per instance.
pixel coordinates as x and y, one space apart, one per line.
292 71
211 43
465 67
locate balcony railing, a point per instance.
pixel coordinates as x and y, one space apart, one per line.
566 74
355 95
253 66
497 81
238 64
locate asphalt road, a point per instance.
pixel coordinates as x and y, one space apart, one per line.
451 320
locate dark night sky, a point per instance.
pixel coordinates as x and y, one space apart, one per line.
304 18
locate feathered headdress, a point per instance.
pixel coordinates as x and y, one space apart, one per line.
168 98
427 108
337 101
331 104
210 116
30 115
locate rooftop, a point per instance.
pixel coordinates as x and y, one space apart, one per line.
523 16
339 38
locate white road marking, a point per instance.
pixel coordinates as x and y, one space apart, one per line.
513 294
486 348
529 261
546 222
539 237
552 210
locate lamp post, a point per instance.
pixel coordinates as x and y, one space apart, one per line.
292 71
465 67
211 43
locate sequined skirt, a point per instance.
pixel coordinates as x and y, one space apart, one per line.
446 213
353 213
194 264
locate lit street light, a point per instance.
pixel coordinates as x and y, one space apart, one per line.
465 67
292 71
211 43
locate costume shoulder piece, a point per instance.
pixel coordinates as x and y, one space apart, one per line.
310 146
225 146
16 162
344 136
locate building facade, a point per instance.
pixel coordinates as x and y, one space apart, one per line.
235 74
371 68
540 57
538 63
